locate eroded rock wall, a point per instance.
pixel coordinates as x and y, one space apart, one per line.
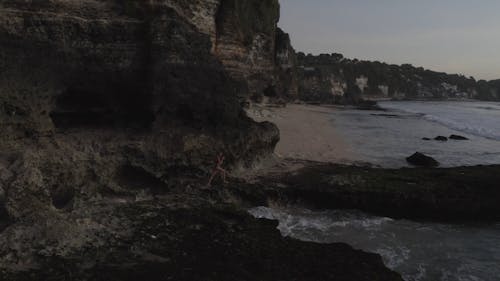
246 42
119 83
245 38
111 114
287 85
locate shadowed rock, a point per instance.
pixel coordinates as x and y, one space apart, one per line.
113 112
458 137
441 138
447 194
422 160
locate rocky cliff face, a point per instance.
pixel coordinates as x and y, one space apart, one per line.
255 52
287 85
333 78
115 65
95 94
111 114
245 42
245 38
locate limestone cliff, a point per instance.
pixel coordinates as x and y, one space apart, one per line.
112 112
92 92
333 78
70 66
245 42
105 99
286 62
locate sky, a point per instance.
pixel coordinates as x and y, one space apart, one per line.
454 36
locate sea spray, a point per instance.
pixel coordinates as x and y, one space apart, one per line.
419 251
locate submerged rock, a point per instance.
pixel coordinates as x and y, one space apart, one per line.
420 159
426 139
458 137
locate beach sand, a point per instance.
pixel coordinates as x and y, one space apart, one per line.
307 132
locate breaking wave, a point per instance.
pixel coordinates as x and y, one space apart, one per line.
419 251
474 118
469 129
290 223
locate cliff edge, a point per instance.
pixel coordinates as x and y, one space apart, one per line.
112 113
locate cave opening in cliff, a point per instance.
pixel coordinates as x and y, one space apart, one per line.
102 109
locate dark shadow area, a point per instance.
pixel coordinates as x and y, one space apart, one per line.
82 109
270 91
63 199
185 113
136 178
4 217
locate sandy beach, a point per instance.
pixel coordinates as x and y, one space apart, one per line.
307 132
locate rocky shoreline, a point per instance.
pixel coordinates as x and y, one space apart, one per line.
446 194
192 232
112 113
154 240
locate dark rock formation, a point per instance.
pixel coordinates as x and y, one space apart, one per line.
447 194
286 73
441 138
111 114
157 241
426 139
120 66
256 53
419 159
457 137
245 43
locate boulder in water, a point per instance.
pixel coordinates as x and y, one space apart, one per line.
420 159
426 139
457 137
441 138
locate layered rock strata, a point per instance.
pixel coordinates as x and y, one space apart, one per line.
111 114
245 43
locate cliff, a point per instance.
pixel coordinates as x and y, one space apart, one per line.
255 52
116 65
333 78
97 95
112 113
287 86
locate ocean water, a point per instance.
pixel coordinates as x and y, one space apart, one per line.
418 251
386 138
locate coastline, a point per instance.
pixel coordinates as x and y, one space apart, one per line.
307 132
449 195
112 114
316 172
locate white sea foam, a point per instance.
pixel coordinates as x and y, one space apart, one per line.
472 129
387 138
304 220
475 118
420 252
